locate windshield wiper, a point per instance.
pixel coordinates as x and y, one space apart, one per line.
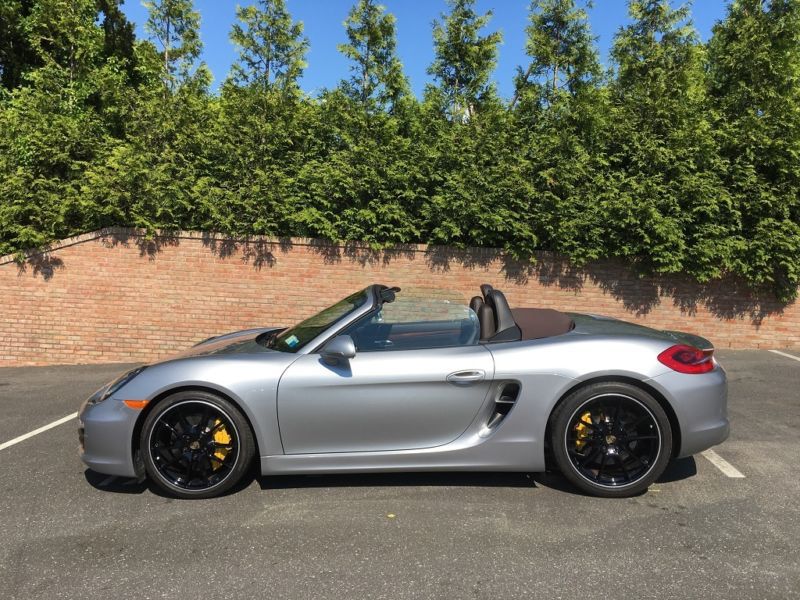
267 339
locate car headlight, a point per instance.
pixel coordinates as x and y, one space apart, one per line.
109 389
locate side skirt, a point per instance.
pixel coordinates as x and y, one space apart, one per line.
501 456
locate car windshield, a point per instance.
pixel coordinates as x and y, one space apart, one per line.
294 338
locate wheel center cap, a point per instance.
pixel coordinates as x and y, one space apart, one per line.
611 439
195 445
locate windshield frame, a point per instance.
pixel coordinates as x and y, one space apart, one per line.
314 344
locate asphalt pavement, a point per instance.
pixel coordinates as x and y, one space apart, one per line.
698 533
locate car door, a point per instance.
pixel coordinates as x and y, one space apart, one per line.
382 400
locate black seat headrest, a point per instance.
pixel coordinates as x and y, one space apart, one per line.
475 304
486 319
504 319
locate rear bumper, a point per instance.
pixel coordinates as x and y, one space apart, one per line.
105 431
697 440
700 403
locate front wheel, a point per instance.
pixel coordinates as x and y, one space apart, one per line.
196 445
611 439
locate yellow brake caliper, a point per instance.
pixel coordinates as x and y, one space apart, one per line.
582 429
222 437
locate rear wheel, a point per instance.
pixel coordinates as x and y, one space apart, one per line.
196 445
611 439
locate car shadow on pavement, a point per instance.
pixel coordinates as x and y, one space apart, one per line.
438 478
118 485
678 469
129 485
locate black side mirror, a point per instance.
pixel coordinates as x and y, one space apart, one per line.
338 349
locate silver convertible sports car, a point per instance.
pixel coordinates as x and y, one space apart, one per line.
391 381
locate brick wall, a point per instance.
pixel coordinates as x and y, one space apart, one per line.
114 296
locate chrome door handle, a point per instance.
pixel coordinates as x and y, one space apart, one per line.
466 377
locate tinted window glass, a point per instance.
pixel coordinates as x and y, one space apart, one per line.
294 338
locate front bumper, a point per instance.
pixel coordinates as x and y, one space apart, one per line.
105 433
700 403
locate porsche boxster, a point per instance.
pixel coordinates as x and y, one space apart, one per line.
386 380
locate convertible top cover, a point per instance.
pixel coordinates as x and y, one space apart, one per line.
501 323
538 323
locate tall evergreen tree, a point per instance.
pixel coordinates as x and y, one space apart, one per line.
669 210
65 35
559 107
17 55
470 162
272 47
54 128
115 99
159 176
261 133
119 41
175 26
464 60
471 172
562 51
754 64
356 185
377 80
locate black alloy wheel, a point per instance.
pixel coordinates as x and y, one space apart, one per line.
611 439
196 445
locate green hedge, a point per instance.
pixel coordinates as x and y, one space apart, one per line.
683 159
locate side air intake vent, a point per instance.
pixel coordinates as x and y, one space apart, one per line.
503 403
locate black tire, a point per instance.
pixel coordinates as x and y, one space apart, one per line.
196 445
620 448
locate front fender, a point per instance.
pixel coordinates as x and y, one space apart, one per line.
249 381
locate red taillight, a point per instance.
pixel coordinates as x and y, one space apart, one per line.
687 359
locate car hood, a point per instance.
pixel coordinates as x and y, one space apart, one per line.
238 342
601 325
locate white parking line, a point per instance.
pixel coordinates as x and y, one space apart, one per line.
786 355
723 465
30 434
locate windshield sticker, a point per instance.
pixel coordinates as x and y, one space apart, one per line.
292 341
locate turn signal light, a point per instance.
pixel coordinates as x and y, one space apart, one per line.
687 359
136 404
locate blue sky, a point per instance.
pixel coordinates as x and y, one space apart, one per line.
323 26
